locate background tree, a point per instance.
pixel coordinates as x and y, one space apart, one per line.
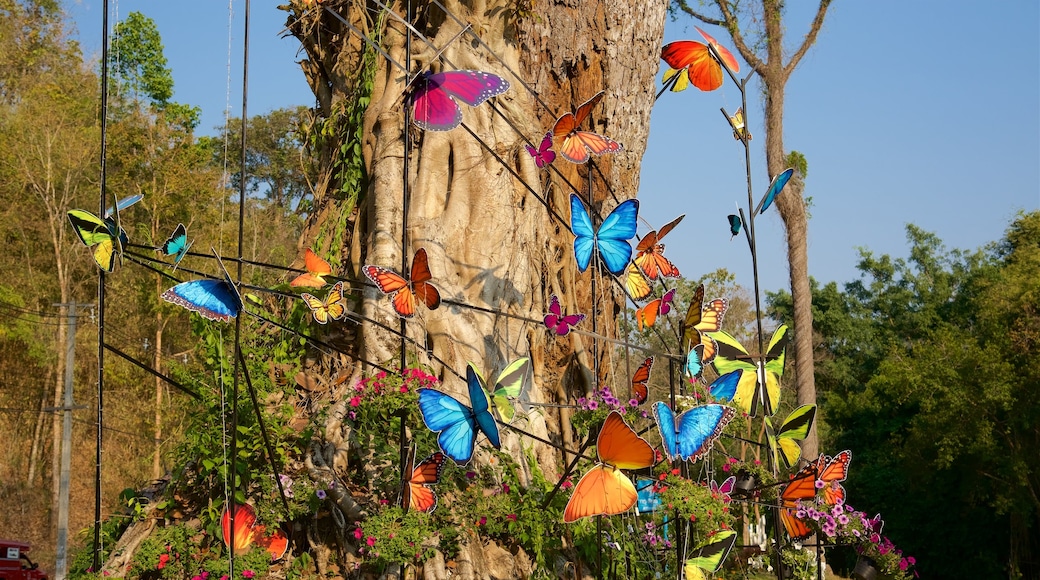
757 31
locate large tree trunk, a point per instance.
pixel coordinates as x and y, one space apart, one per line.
491 241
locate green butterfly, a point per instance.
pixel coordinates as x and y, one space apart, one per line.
710 556
100 234
507 387
796 427
732 356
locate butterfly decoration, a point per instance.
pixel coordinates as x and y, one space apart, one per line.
107 239
177 245
647 315
710 557
610 241
507 387
543 155
604 489
694 367
317 268
434 97
724 386
577 145
650 253
723 490
333 307
456 424
734 225
692 63
213 299
418 492
405 293
702 319
249 532
123 204
831 471
640 390
739 129
795 428
732 356
636 284
691 435
559 322
775 187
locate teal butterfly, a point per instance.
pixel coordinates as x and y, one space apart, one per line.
177 245
507 386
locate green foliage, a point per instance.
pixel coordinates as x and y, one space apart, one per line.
137 58
706 511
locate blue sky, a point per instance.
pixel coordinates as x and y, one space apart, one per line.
924 112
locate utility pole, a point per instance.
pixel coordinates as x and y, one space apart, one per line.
61 566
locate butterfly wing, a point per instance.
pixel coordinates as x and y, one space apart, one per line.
725 387
508 385
245 517
694 366
585 108
647 315
213 299
682 79
176 243
666 425
603 490
421 276
636 284
775 356
432 108
614 233
578 145
728 60
317 269
654 264
734 224
478 397
544 155
711 556
390 282
420 484
123 204
774 190
318 309
93 231
276 543
704 72
699 427
619 445
454 423
472 87
640 391
794 429
584 235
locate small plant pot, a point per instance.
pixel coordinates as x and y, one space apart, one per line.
866 569
744 485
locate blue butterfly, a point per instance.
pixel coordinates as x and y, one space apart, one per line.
213 299
692 434
612 238
774 190
694 363
456 424
178 244
725 387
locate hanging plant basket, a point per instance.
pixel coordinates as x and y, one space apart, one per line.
744 485
866 569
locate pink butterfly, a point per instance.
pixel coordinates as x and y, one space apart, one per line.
544 155
556 321
724 490
433 96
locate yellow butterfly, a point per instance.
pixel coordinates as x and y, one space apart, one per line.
739 129
334 305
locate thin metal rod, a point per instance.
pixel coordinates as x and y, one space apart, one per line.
263 433
151 371
96 563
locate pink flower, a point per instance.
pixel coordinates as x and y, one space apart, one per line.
370 541
511 517
355 401
725 467
505 488
248 573
404 389
482 521
470 474
358 534
567 484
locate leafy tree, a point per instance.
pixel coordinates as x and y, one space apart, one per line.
764 20
137 59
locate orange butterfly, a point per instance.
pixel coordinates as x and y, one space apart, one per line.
418 493
640 391
247 531
650 253
702 320
407 292
830 471
691 61
317 269
604 490
647 315
576 144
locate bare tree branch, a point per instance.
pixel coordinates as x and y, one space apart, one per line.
702 17
731 24
810 38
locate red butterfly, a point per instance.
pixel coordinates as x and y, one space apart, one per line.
556 321
407 292
543 155
576 144
418 493
317 269
650 253
803 486
433 96
693 63
640 391
647 315
247 531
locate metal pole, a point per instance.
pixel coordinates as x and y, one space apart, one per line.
61 566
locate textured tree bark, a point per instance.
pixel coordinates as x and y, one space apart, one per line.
477 202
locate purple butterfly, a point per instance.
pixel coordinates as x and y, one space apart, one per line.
544 155
666 302
723 490
433 96
556 321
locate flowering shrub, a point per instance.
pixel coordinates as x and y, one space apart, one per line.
593 409
708 511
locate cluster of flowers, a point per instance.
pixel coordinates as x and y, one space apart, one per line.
650 536
381 384
845 525
205 575
604 399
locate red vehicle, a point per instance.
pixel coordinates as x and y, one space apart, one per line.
15 564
